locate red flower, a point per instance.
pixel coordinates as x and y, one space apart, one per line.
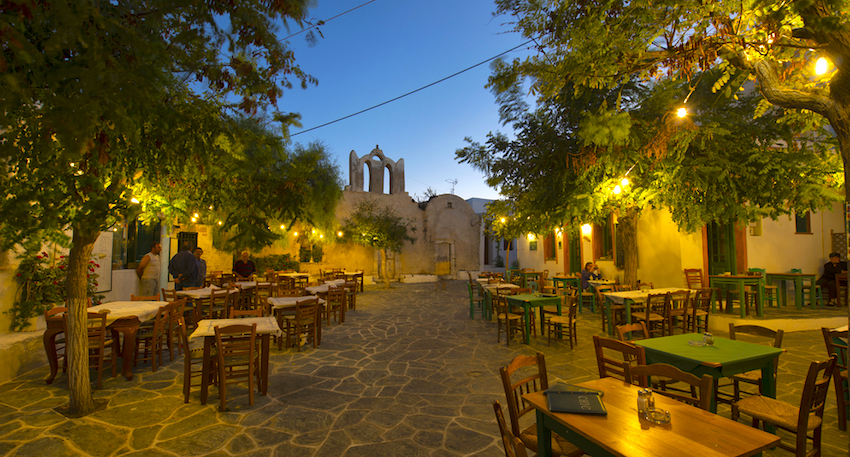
18 274
61 256
54 283
60 266
44 254
91 261
95 284
97 265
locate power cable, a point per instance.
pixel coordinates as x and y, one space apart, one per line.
326 20
413 91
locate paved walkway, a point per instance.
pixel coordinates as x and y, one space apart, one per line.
408 374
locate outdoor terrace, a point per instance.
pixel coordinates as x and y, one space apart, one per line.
408 374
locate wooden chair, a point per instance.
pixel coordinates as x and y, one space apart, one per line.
802 420
754 376
771 292
814 292
474 301
700 311
238 359
359 276
261 294
144 298
169 295
532 369
676 312
171 332
645 286
564 324
57 313
350 295
150 340
513 445
750 301
836 343
653 314
693 277
103 345
517 321
218 304
241 313
704 385
616 367
626 332
616 309
193 362
305 322
334 302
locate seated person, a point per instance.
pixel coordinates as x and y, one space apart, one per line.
591 271
827 280
244 268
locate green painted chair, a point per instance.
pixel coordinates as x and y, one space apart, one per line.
814 297
771 292
473 301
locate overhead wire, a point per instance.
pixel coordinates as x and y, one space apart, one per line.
415 90
327 20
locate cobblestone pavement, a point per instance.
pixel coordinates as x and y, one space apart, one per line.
408 374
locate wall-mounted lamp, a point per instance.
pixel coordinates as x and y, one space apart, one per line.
586 230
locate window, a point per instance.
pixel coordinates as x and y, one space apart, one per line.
549 247
803 222
129 247
603 240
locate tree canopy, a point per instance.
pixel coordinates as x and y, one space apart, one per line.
371 224
602 45
108 103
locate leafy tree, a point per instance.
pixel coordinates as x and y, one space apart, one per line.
98 110
379 227
568 163
603 44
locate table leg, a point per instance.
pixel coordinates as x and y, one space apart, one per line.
768 386
740 287
783 293
607 304
264 365
760 298
128 327
205 373
525 307
544 436
628 304
798 293
49 340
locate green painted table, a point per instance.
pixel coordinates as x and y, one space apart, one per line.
528 301
488 296
740 282
526 275
726 358
798 279
629 297
573 281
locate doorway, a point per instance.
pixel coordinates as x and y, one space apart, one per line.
721 248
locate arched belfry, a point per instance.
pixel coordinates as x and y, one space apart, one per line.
377 162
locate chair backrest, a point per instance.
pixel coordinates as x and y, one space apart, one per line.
169 295
815 390
335 296
702 299
797 270
535 379
703 386
616 367
693 276
677 302
759 271
756 330
513 445
570 305
624 330
306 309
836 343
622 287
645 286
654 305
51 314
144 297
236 343
240 313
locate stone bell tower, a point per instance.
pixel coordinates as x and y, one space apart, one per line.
376 161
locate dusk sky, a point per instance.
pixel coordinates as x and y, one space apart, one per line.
388 48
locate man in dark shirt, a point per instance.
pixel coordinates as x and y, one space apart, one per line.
184 267
244 268
827 280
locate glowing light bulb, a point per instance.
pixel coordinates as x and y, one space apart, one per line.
586 229
821 66
219 222
210 206
313 231
281 226
682 112
296 233
617 189
338 233
134 200
321 236
194 219
503 220
624 182
530 237
196 215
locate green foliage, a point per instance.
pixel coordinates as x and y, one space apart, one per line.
317 253
41 286
276 262
515 265
304 254
499 262
377 226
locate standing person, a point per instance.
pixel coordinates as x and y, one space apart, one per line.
827 281
148 272
184 267
202 267
244 267
591 271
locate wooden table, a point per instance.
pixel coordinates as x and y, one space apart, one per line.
574 281
527 274
623 432
528 301
724 359
322 291
122 316
266 326
740 282
628 297
798 279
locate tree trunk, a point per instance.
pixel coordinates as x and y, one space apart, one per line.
627 231
79 384
384 269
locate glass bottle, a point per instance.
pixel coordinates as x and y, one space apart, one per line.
650 401
641 401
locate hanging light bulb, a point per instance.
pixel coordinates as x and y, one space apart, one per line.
617 189
821 66
624 182
682 112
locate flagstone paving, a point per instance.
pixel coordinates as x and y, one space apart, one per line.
408 374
